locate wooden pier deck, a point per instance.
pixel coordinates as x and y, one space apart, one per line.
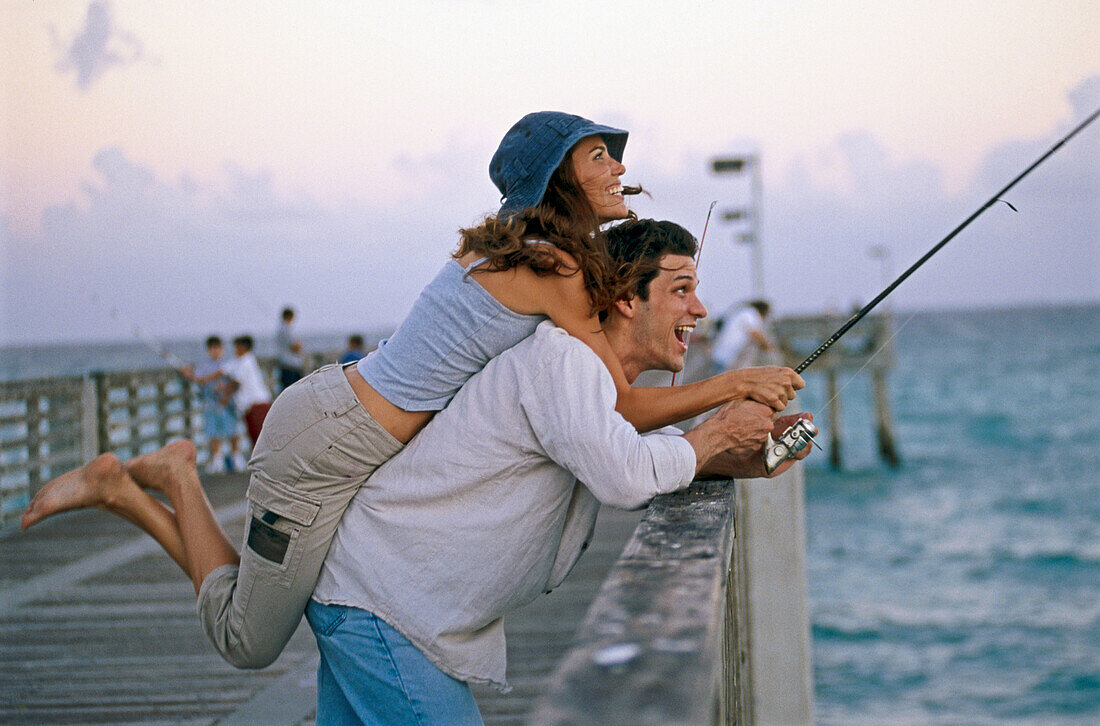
98 626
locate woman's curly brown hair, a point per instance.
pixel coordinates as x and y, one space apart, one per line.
565 219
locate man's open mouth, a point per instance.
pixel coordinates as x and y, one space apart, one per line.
682 333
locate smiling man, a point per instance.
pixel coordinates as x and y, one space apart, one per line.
493 502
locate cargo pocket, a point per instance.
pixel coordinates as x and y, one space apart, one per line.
278 515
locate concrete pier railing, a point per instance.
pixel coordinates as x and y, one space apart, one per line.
703 619
665 640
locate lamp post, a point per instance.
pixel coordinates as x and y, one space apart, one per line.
751 214
882 254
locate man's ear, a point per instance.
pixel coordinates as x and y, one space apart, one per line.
626 306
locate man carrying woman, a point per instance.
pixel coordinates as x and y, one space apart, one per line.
485 509
542 256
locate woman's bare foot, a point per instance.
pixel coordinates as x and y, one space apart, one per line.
102 482
165 468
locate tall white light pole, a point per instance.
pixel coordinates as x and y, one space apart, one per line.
752 213
882 254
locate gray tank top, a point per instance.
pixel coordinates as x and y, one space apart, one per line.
454 328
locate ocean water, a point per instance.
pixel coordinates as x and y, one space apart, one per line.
960 588
964 587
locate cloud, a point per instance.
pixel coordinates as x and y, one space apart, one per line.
832 205
194 255
98 46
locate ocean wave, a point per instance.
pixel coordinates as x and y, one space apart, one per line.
946 624
1038 554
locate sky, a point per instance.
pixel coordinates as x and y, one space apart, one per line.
189 168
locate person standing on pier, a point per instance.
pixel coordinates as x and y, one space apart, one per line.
220 421
743 337
247 388
355 349
542 255
288 349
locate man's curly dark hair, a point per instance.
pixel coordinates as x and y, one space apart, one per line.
637 246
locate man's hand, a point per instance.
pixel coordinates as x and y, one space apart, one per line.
745 426
735 465
739 427
772 386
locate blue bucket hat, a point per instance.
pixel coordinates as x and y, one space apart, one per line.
533 149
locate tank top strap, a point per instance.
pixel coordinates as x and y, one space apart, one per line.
475 264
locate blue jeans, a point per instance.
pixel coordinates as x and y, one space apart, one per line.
371 674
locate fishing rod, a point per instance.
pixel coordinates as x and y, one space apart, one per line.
703 237
163 353
798 436
699 256
890 288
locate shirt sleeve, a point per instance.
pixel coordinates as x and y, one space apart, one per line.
570 403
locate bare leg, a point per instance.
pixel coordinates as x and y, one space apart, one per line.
104 483
171 470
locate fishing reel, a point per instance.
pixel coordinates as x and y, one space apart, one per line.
793 440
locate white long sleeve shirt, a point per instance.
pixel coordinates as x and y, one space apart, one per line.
483 510
246 372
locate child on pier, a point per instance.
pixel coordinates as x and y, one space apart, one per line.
220 421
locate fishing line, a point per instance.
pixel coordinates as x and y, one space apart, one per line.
890 288
866 363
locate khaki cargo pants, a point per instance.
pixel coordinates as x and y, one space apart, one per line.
317 447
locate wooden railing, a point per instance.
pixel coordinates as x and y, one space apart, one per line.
665 640
51 425
44 431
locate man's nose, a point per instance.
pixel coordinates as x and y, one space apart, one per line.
698 309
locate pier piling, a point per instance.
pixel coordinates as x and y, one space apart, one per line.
866 348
